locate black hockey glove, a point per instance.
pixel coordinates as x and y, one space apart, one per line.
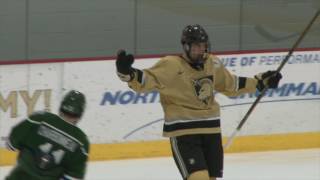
270 79
124 62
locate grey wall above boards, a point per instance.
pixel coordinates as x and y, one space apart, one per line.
46 29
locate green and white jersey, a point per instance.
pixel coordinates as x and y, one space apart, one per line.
49 148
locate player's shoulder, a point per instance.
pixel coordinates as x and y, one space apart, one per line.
78 135
171 60
40 116
167 63
57 122
83 140
216 62
81 136
86 143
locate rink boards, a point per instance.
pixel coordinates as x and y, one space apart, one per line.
122 124
161 148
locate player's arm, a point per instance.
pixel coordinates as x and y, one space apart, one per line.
140 80
232 85
77 163
15 141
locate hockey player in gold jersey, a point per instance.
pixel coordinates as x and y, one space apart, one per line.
192 116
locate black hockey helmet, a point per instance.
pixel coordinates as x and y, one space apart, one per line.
194 34
73 104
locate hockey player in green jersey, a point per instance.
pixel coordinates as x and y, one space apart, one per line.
186 84
50 146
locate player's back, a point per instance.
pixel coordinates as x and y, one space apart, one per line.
49 148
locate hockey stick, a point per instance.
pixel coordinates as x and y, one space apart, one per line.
244 119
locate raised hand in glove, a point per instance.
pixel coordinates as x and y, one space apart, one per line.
270 79
124 62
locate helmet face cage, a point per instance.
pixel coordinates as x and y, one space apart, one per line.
73 104
194 34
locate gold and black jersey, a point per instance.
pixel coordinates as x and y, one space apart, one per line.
187 94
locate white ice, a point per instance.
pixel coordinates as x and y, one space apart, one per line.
273 165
